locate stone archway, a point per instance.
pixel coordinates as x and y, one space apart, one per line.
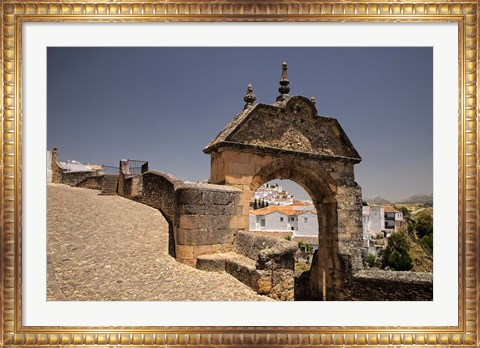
289 140
327 273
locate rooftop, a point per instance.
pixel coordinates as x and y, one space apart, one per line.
290 210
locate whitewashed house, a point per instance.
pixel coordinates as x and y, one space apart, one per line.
298 221
378 223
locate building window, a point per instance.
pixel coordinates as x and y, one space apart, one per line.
305 219
281 218
292 219
292 228
262 222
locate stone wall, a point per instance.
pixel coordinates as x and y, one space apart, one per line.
159 193
133 186
207 220
274 264
203 218
74 178
57 170
378 285
92 182
60 176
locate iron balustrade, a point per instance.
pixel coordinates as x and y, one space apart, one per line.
137 167
110 170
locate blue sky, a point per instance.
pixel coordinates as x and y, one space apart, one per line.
165 104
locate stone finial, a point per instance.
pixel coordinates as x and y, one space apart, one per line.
55 153
284 88
313 100
250 97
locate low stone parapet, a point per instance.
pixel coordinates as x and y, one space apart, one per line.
380 285
92 182
266 264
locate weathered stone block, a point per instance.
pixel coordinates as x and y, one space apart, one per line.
205 236
244 244
212 263
239 222
237 157
184 252
206 194
247 169
211 209
202 250
204 221
239 179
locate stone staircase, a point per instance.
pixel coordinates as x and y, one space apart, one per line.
109 185
265 264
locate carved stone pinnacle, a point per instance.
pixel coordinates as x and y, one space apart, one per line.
250 97
284 88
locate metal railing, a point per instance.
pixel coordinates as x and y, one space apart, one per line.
137 166
110 170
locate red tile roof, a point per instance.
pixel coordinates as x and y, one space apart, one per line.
284 209
389 209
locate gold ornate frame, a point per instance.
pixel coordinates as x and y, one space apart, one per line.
15 12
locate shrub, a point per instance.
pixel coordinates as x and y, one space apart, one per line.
424 224
427 242
371 259
396 253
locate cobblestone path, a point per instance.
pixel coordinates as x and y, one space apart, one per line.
110 248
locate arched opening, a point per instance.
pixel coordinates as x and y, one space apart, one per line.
324 279
283 209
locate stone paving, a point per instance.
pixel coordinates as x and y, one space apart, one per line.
108 248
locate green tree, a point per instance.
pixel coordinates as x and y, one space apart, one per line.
396 253
423 223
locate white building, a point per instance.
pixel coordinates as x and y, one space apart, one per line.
272 194
298 220
378 223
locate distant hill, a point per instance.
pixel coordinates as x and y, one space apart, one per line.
377 200
420 198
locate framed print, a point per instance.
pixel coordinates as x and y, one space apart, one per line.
83 262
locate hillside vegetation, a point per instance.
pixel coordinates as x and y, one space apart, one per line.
422 259
412 247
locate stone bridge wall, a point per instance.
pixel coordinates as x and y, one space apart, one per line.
92 182
378 285
274 264
158 192
203 218
80 179
132 186
207 220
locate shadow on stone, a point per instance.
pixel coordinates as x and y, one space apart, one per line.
302 289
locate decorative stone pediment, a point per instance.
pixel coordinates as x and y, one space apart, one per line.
302 107
289 125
